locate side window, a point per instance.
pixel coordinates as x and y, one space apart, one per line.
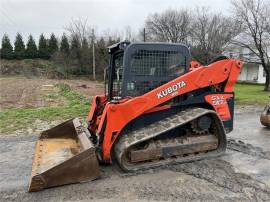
117 75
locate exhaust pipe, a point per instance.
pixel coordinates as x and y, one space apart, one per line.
64 155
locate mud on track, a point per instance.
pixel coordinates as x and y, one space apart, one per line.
242 174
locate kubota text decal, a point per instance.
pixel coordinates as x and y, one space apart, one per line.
172 90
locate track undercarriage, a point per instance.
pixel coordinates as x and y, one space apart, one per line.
192 134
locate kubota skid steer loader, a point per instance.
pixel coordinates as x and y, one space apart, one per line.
158 108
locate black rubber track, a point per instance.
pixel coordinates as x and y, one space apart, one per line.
132 138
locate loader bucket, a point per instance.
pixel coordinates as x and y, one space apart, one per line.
63 155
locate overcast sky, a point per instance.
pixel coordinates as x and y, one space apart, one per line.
46 16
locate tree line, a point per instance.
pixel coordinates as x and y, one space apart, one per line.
29 50
73 52
207 34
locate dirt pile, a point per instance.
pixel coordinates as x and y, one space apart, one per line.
30 68
20 92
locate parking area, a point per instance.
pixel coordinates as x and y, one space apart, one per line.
242 174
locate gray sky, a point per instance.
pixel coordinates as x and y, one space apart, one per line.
46 16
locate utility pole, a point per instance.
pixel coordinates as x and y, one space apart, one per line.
144 37
94 59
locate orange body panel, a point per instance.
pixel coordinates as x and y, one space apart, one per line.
96 109
219 103
120 114
194 64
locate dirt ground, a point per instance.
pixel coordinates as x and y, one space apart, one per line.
28 93
242 174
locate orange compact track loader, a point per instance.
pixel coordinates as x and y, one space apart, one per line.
158 108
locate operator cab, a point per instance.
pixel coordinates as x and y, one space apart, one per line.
137 68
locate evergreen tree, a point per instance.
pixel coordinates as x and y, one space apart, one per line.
85 44
7 50
76 55
85 56
19 47
43 48
64 45
101 56
31 48
75 44
53 46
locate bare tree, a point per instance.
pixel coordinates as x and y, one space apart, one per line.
254 15
206 32
210 32
111 35
79 28
129 34
171 26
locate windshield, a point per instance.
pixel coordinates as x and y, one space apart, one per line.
152 68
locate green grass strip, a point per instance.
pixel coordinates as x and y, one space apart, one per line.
251 94
15 119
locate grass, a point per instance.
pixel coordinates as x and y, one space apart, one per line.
251 94
78 106
16 119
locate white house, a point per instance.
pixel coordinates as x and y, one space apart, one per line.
252 70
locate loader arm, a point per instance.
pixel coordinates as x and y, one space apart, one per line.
117 115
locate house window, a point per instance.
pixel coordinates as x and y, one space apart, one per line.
252 54
241 55
264 73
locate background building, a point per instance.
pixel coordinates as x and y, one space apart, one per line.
252 71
